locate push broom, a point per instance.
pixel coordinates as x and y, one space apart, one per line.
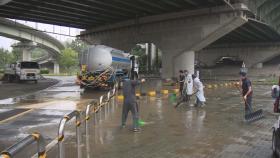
252 116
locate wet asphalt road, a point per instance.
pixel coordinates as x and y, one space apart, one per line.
40 111
216 130
10 90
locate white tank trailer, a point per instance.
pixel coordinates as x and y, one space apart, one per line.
103 66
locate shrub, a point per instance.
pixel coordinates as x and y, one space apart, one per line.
44 71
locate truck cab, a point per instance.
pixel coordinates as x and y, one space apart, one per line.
22 71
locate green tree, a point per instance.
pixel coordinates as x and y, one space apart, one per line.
38 53
69 60
6 57
142 57
77 45
16 54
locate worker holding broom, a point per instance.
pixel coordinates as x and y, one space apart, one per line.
247 92
130 102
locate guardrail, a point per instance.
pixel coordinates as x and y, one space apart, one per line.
30 139
43 149
62 125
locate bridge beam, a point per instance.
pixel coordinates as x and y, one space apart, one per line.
20 32
178 35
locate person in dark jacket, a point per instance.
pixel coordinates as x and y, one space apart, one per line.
130 103
181 81
247 92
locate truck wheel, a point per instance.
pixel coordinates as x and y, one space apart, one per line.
17 78
274 144
111 85
82 86
5 77
10 78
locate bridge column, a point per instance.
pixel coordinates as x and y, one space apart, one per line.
259 65
25 49
55 67
26 54
172 64
184 61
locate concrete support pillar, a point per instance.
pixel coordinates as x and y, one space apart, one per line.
153 53
184 61
259 66
55 68
149 57
26 54
25 49
167 70
172 64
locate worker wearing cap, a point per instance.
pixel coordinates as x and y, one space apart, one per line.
130 103
247 92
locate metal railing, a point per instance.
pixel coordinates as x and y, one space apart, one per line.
88 113
30 139
61 128
43 149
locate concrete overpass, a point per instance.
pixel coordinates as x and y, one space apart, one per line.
26 34
90 13
30 38
179 28
179 35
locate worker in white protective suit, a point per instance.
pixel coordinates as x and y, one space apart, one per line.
198 88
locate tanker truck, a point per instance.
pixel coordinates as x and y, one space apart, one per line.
103 67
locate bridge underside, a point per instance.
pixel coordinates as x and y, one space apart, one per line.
254 43
251 32
122 23
89 13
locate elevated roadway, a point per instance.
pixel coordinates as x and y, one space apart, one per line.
20 32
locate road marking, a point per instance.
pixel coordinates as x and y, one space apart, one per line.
16 116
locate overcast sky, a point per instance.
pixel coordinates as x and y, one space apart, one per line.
6 42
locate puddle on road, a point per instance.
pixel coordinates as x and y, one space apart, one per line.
66 90
8 101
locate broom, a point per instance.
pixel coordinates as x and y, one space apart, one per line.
252 116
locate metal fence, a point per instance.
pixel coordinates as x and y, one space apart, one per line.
21 145
93 107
